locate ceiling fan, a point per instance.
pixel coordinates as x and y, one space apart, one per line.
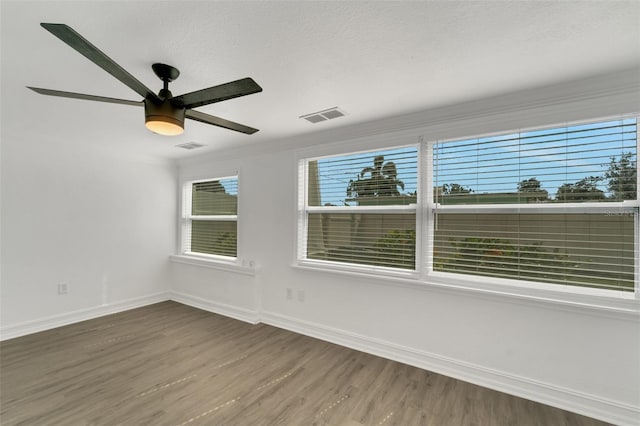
164 113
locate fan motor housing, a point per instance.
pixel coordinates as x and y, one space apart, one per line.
164 117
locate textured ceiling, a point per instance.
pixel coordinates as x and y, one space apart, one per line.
371 59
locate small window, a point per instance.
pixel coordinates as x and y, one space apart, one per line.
360 209
211 217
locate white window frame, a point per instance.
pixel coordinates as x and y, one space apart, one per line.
187 219
304 210
602 300
492 283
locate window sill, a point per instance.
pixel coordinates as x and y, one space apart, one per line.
618 305
357 270
612 303
212 263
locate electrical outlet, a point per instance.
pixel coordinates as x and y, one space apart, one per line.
63 288
289 294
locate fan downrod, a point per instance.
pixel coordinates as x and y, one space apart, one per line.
165 72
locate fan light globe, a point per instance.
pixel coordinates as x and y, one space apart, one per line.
166 128
164 118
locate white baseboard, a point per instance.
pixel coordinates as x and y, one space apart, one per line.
67 318
566 399
242 314
47 323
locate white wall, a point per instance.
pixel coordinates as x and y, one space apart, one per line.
577 357
73 212
106 224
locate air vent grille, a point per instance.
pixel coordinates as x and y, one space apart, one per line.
327 114
190 145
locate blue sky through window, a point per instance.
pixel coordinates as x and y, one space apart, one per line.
336 172
230 185
554 156
496 164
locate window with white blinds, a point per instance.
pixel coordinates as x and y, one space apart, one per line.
556 205
360 208
211 217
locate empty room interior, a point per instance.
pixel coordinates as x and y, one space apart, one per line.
330 213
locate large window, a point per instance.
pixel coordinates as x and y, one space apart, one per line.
556 205
360 209
210 220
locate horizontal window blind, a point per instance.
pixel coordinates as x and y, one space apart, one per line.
214 237
593 250
216 197
387 240
386 177
212 222
567 166
595 162
382 187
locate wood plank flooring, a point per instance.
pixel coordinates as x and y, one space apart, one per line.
170 364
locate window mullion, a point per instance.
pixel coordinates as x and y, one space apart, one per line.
604 208
408 209
213 218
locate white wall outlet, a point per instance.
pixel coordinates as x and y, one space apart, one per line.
63 288
300 295
289 294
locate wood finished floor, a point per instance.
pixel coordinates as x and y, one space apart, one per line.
170 364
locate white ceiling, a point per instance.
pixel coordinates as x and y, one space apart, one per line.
371 59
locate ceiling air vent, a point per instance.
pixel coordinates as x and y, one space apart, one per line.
190 145
327 114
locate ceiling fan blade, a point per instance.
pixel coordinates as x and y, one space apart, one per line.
61 94
83 46
220 122
234 89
